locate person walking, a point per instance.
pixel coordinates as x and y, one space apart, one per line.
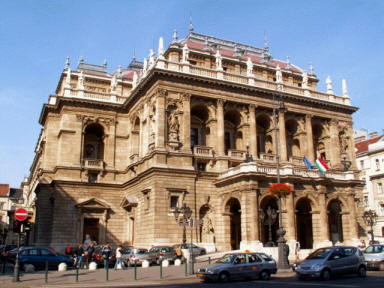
79 256
119 263
89 254
106 252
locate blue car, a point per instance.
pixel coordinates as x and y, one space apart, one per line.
38 257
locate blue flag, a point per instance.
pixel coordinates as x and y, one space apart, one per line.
307 163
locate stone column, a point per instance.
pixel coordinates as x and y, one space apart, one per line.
290 221
352 219
220 127
334 145
310 148
160 119
323 227
253 132
282 137
110 145
351 147
186 125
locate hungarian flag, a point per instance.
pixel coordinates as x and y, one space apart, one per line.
320 164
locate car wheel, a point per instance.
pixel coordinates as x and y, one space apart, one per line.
326 275
157 261
223 277
381 266
202 252
361 271
264 275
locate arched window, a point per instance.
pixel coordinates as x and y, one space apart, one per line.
93 141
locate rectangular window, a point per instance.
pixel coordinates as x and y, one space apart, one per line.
377 165
379 188
362 164
92 177
194 136
1 205
381 210
201 166
366 202
174 202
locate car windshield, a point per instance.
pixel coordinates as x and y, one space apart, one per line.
374 249
320 253
226 259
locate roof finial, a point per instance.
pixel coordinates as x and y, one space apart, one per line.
190 22
288 64
67 63
311 70
345 89
134 56
329 85
161 48
81 60
105 62
119 71
175 39
265 42
206 45
263 59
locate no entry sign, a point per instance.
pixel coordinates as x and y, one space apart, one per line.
21 214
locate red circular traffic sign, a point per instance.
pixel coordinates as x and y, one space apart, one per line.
21 214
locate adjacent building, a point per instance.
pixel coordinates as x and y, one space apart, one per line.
370 159
195 124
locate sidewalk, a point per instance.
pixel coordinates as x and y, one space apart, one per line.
98 278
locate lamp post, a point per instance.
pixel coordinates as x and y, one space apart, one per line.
271 219
187 212
248 157
345 162
370 218
281 242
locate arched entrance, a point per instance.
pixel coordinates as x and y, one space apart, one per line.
266 235
335 222
233 207
304 223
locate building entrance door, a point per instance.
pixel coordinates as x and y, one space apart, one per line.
235 223
91 227
304 224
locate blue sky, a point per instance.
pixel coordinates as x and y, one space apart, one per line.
343 39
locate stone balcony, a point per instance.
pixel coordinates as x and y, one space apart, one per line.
93 164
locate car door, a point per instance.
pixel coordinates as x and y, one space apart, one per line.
351 260
336 261
35 258
239 269
254 265
50 257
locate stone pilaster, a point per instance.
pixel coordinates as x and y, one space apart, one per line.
310 147
282 137
160 119
253 132
220 127
290 221
186 125
334 145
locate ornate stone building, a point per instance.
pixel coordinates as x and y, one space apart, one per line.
118 152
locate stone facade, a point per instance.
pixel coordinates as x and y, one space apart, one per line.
118 152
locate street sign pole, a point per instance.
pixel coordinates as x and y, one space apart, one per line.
16 271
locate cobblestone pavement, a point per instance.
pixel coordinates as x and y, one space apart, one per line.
98 278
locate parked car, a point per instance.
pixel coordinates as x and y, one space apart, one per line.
38 256
160 253
196 250
239 265
131 255
374 256
99 259
326 262
11 254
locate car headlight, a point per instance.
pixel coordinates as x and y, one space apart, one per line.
375 260
316 267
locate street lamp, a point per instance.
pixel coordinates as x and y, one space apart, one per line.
345 162
370 218
248 157
187 212
281 242
271 219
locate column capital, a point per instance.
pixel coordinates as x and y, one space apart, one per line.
161 92
308 117
186 96
253 107
220 102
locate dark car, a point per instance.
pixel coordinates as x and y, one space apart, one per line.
161 253
11 254
99 259
326 262
38 257
239 265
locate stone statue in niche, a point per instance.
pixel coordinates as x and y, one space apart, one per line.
207 229
174 126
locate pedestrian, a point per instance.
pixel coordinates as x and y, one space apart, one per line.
68 250
89 254
297 251
106 252
79 256
286 252
179 254
119 263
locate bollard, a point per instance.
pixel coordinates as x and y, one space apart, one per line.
77 274
186 268
161 269
135 270
106 272
46 272
209 260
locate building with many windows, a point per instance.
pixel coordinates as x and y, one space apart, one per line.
370 159
196 124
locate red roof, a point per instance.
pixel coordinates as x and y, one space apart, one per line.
363 145
4 189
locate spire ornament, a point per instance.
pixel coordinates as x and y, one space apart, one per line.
288 64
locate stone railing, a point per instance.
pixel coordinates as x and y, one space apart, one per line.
202 151
94 164
285 170
236 154
267 157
